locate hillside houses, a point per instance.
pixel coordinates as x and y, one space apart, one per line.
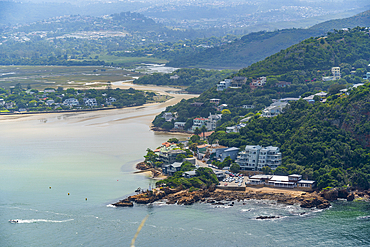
222 85
209 122
216 152
274 109
335 75
259 82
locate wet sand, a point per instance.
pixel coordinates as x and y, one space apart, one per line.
147 111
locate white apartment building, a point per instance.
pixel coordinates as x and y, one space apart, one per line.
256 157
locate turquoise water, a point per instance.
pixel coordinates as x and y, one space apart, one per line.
92 155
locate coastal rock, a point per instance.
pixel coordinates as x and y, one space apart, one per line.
267 217
143 166
330 195
342 193
350 197
317 202
123 204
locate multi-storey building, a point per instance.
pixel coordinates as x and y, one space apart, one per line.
256 157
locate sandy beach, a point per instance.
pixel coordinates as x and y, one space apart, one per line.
128 113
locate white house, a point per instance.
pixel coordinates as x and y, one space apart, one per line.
110 100
259 82
90 102
179 125
209 122
71 102
289 182
222 85
274 109
49 102
168 116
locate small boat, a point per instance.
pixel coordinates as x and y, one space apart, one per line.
13 221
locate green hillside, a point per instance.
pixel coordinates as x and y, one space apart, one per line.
328 142
254 47
362 20
313 55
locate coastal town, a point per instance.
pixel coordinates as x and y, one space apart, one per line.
179 168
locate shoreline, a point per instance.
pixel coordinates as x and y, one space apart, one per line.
221 197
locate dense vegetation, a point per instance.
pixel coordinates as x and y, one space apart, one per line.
196 80
204 178
303 65
307 59
327 142
243 52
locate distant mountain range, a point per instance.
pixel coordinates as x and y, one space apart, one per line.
255 47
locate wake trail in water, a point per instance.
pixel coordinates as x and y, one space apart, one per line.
20 221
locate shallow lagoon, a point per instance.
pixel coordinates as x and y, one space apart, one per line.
92 155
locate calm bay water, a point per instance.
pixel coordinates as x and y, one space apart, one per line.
92 155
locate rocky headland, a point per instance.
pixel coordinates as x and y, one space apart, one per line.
220 197
142 166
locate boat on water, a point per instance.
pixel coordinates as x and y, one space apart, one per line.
13 221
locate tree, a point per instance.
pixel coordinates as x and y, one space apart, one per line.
197 131
180 157
234 168
335 88
266 170
203 129
173 140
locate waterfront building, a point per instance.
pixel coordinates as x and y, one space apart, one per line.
256 157
90 102
179 125
169 157
49 102
71 102
289 182
172 168
110 100
168 116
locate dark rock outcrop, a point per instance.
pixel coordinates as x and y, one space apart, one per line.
267 217
350 197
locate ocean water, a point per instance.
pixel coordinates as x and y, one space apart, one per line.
92 156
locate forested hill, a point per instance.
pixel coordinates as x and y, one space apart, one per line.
245 51
315 54
327 142
362 20
254 47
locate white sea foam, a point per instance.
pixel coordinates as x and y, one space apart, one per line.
111 206
363 217
20 221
